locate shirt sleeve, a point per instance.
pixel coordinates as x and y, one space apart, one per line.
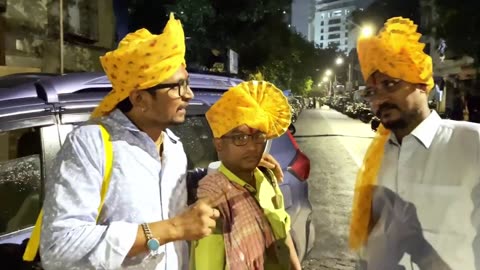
70 237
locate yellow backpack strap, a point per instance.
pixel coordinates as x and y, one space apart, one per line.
108 149
33 245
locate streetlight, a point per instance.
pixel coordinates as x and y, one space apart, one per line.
366 31
328 72
339 61
325 79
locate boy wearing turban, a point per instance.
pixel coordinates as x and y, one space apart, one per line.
254 231
417 195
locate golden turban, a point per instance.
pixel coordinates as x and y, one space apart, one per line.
257 104
142 60
396 52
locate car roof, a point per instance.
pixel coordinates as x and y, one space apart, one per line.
21 91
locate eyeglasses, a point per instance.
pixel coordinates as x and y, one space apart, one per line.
387 86
243 139
181 86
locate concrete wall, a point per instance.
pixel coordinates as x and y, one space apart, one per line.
32 34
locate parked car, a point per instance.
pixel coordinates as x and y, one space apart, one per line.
37 111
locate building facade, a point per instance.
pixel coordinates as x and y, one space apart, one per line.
30 36
331 23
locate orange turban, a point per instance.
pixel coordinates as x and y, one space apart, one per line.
142 60
257 104
396 52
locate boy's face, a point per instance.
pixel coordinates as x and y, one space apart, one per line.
242 148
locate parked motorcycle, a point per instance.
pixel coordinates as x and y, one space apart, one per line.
365 114
375 123
294 117
292 129
311 103
352 109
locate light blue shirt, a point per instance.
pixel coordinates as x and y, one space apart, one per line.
142 189
437 170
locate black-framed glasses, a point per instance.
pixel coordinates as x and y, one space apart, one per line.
181 86
243 139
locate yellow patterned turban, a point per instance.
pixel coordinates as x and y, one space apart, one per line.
142 60
396 52
257 104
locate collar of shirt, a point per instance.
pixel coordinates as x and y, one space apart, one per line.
232 177
123 120
122 129
425 132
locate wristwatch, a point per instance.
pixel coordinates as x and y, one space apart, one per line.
152 243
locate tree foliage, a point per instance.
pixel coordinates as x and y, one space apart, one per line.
458 22
257 30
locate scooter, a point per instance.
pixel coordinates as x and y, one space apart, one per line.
375 123
365 115
292 129
294 117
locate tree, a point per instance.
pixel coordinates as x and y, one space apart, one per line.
255 29
381 10
196 17
458 23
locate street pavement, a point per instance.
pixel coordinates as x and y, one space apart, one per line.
335 145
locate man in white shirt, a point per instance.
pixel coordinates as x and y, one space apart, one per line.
417 196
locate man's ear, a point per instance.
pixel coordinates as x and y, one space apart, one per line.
423 87
218 143
139 99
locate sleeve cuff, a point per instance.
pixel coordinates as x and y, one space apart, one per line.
118 241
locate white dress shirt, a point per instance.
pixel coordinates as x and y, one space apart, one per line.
437 169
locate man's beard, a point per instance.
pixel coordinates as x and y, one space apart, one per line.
400 123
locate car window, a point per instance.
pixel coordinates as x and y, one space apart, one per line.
20 178
196 137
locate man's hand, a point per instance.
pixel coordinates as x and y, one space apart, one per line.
197 221
269 162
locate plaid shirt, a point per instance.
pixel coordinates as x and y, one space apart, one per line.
253 229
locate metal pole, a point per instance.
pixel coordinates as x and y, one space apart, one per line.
61 35
2 41
349 83
331 88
